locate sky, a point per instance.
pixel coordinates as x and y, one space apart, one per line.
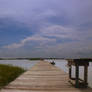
46 28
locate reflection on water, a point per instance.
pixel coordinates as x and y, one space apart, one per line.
63 65
26 64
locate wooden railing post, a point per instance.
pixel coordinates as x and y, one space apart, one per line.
86 75
77 76
70 71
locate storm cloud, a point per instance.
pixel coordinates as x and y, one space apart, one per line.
46 28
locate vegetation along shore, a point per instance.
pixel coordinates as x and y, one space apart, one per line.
8 73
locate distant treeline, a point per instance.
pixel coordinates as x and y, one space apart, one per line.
37 58
1 58
27 58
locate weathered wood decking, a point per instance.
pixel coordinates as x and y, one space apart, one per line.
43 77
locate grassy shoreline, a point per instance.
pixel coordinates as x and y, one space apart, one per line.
8 73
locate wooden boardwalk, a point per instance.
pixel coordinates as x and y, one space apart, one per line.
43 77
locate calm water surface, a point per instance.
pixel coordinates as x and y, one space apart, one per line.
26 64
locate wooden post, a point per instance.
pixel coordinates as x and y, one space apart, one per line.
77 76
86 75
70 68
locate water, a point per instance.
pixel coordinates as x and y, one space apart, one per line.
26 64
62 64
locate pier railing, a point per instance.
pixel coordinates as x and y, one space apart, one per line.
77 82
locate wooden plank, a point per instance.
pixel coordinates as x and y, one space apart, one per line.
43 77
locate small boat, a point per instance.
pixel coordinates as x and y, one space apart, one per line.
53 63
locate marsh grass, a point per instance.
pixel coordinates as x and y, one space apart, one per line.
8 73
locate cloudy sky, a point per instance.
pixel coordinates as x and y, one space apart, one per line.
46 28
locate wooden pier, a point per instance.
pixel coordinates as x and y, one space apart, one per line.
43 77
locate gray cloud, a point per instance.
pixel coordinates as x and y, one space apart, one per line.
61 27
